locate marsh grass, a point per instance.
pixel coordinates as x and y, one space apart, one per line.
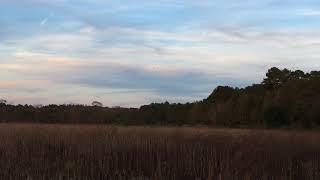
110 152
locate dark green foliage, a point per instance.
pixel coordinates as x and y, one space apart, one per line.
221 93
284 99
276 77
276 116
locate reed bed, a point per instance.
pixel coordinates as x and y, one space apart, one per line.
32 151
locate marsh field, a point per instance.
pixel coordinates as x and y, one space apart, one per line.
34 151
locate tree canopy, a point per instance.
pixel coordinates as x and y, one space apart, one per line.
284 99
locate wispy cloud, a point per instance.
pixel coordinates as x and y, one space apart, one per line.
46 19
309 12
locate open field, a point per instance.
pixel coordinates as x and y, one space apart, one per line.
109 152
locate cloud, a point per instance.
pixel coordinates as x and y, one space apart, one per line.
126 55
168 82
141 78
309 12
16 85
151 50
44 21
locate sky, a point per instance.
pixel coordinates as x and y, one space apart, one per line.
129 53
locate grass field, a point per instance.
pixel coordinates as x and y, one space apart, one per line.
109 152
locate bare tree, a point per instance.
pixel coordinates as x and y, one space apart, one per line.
3 101
96 103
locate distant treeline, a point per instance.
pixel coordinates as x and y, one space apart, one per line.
284 99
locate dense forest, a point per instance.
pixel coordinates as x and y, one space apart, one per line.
284 99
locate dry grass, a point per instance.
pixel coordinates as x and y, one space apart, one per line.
109 152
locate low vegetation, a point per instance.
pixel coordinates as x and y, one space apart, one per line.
107 152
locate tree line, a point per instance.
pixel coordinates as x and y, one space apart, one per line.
284 99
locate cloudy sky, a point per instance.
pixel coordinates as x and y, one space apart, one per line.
129 53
